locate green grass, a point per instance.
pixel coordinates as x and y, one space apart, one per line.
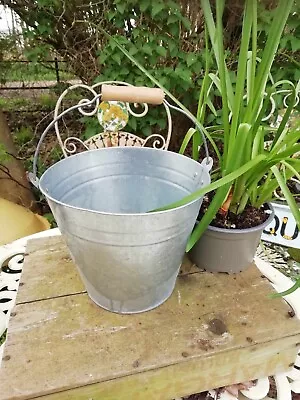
45 101
42 102
23 135
12 104
31 72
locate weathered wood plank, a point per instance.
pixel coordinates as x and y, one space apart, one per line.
215 330
190 377
48 271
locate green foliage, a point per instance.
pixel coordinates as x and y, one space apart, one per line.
164 36
164 50
249 171
55 154
4 156
14 65
244 104
295 254
92 127
154 36
47 101
179 68
287 60
9 45
31 72
12 104
50 218
43 102
22 135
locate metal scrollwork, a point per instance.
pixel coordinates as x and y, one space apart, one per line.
158 141
71 147
73 144
88 113
284 383
11 264
287 93
279 197
138 115
82 102
113 139
273 108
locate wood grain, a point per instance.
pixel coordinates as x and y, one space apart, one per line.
48 271
214 330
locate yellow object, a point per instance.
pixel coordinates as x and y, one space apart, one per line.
17 221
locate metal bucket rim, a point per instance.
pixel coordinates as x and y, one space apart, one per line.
120 214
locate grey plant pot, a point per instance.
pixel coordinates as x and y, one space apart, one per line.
228 250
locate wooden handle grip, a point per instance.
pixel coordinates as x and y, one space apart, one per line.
132 94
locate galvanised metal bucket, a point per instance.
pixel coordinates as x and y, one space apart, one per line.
128 258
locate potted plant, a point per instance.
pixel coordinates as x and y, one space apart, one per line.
229 243
248 171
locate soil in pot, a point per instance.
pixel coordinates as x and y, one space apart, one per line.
249 218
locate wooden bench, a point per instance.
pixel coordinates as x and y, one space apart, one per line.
215 330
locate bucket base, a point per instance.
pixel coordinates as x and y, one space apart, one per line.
119 307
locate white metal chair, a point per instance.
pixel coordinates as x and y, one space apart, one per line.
113 117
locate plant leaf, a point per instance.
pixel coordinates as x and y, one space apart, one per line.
191 59
213 186
287 195
287 292
161 51
157 7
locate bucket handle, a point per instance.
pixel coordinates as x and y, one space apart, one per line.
32 176
141 94
207 162
134 94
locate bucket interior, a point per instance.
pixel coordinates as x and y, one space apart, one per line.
123 180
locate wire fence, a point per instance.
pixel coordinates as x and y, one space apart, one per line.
28 75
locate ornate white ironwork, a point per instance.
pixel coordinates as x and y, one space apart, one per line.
287 92
101 140
159 141
113 139
82 101
71 147
282 198
11 261
284 383
11 264
283 229
136 105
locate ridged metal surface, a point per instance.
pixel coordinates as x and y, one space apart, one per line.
127 258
